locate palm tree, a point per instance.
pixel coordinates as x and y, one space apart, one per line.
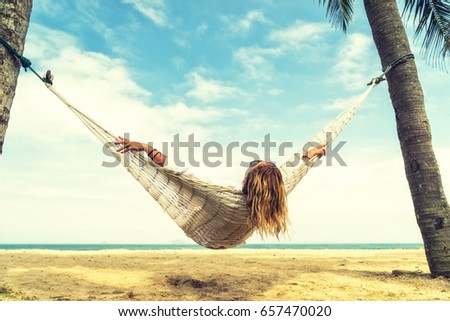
14 19
422 170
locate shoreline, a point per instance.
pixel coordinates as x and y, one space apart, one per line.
230 275
262 246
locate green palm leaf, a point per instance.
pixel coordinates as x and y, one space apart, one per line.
432 20
339 12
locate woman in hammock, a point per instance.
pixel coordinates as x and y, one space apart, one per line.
263 187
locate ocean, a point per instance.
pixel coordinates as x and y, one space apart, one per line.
100 247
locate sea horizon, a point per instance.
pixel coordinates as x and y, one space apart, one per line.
279 246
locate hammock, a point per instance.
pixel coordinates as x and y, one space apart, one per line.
213 216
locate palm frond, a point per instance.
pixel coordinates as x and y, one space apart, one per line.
431 20
339 12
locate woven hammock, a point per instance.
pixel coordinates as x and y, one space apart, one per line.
214 216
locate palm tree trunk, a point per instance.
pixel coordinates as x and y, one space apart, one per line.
14 19
422 170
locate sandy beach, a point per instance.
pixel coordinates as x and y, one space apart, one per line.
237 274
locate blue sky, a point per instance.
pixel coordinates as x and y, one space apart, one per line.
225 71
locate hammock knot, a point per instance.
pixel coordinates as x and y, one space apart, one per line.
376 80
389 67
48 78
26 63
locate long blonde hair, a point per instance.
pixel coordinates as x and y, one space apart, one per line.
266 200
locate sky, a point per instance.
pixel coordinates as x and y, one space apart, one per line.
226 72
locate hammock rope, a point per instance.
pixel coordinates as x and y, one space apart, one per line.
212 215
293 174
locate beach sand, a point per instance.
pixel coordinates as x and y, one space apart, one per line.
236 274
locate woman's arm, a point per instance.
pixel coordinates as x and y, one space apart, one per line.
316 151
126 146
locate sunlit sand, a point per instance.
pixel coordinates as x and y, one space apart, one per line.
236 274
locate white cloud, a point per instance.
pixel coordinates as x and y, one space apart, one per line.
256 61
275 91
353 62
209 90
340 103
178 62
300 35
251 17
239 26
90 80
44 43
155 10
201 29
49 7
182 41
103 88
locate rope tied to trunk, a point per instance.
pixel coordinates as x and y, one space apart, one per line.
25 62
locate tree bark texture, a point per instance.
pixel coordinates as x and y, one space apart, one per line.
14 19
421 167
